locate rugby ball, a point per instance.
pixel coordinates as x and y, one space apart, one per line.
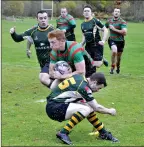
62 67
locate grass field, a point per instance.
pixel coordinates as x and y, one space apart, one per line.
24 120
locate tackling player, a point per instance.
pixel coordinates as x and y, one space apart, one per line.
72 100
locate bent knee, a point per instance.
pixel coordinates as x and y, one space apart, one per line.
114 48
43 77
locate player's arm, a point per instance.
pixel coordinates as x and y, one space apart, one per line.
101 109
123 31
51 70
15 36
83 40
104 34
72 24
29 44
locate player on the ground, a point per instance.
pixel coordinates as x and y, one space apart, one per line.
72 100
39 35
118 29
66 23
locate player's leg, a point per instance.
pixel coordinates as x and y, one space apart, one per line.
75 113
119 55
113 48
45 77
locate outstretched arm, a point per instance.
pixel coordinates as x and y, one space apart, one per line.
16 37
101 109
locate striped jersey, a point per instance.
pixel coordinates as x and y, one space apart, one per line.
91 29
66 23
118 24
73 89
73 53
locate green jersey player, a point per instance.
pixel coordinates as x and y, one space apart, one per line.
91 28
72 100
67 23
39 35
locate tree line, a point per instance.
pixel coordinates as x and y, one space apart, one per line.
130 10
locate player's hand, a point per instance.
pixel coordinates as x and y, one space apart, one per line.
12 30
28 53
112 111
101 42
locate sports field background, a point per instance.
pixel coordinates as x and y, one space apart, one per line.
24 120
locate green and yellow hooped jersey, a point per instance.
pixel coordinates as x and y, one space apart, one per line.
72 89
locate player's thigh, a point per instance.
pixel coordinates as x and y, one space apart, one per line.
76 107
56 111
44 72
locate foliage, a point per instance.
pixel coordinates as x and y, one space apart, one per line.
13 8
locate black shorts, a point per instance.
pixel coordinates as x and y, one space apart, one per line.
120 44
95 51
45 69
56 111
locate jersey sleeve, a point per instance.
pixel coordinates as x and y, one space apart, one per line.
86 93
107 24
77 55
71 20
99 23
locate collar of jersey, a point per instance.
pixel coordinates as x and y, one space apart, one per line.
116 19
43 29
86 20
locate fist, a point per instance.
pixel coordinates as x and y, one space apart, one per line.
12 30
113 111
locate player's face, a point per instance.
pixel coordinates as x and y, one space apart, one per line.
42 20
116 13
96 87
64 13
55 44
87 13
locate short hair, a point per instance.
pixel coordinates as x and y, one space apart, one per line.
87 6
42 11
59 34
99 77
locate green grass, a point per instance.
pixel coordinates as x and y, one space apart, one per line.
24 121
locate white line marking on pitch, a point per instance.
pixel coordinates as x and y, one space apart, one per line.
41 101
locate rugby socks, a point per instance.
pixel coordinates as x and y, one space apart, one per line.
75 119
92 118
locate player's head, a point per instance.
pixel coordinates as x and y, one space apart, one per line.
64 12
87 11
42 17
116 13
97 81
56 39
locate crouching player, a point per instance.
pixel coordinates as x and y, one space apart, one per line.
72 100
